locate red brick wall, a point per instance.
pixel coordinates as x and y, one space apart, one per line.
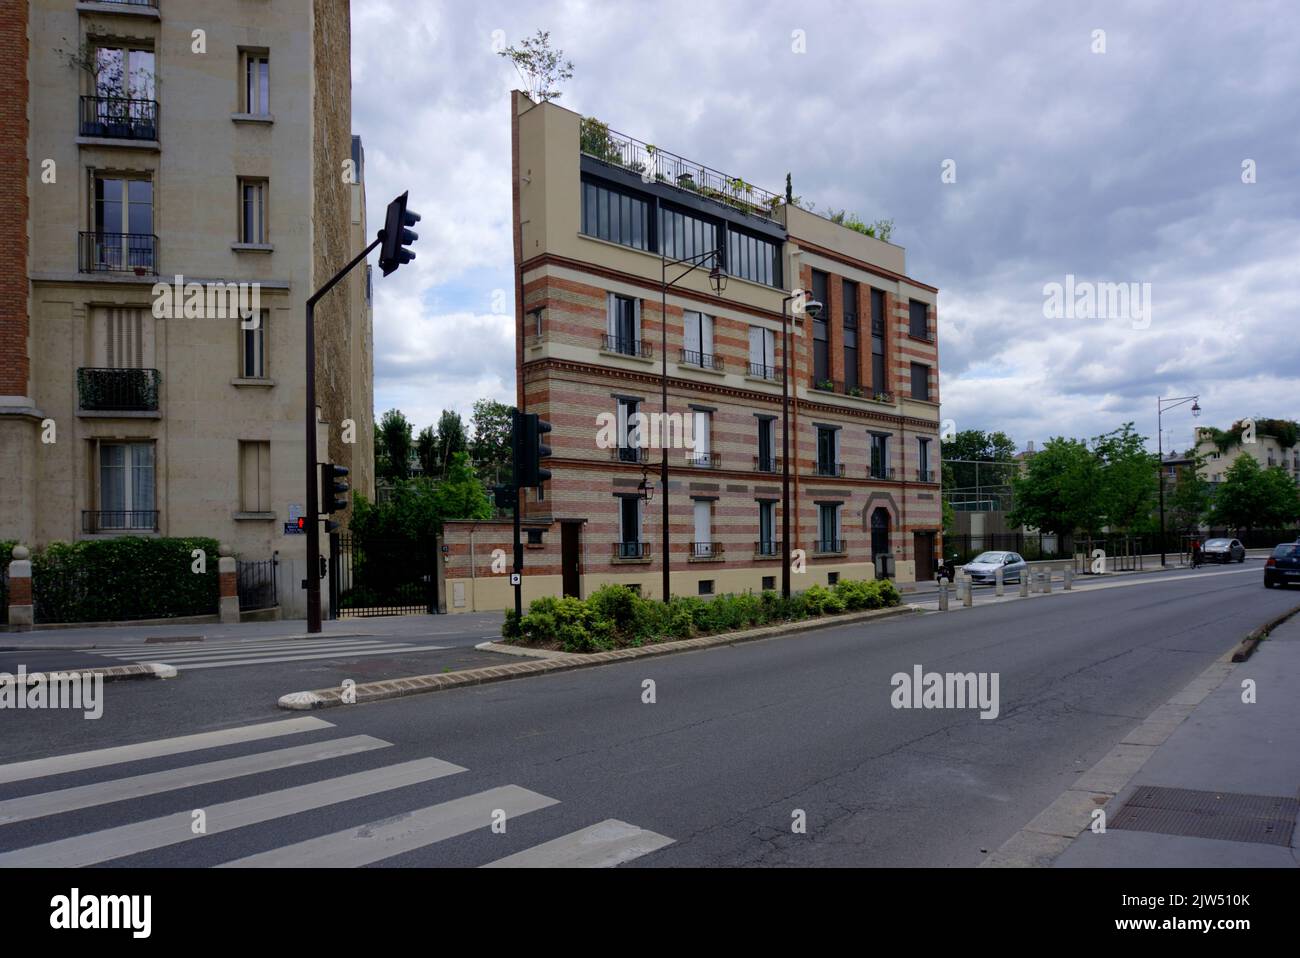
14 369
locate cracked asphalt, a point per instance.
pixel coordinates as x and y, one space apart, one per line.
741 739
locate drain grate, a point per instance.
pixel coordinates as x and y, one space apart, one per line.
1227 816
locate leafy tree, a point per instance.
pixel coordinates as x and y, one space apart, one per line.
1061 489
1129 479
394 434
1188 501
541 68
1252 497
490 447
426 451
975 444
451 439
460 495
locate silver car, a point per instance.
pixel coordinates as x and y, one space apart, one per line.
981 568
1224 550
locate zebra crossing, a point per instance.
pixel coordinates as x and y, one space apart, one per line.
603 844
220 655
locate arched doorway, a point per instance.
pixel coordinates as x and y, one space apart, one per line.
879 532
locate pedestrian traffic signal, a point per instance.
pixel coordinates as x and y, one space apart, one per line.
333 484
532 449
396 237
503 496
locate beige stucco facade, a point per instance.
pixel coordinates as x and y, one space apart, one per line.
215 446
1264 449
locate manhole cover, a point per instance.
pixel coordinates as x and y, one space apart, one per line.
1227 816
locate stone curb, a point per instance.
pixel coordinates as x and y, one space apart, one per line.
1251 642
111 673
560 662
1055 828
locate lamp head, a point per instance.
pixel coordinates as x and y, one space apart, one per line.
812 308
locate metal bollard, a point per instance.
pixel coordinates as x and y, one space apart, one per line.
997 582
1069 578
1047 581
943 597
1024 582
968 597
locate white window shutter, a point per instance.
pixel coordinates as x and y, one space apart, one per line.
691 331
706 334
636 319
609 315
756 345
769 348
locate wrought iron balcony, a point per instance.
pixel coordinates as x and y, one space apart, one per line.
768 464
830 468
628 347
693 357
95 521
629 454
828 546
631 550
763 371
118 390
118 253
767 547
119 118
707 550
925 475
880 472
703 460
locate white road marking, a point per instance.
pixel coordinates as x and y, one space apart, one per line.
602 845
386 650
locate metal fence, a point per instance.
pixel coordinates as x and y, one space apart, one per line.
257 584
1031 546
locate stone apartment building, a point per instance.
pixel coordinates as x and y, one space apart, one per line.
1267 449
146 140
595 214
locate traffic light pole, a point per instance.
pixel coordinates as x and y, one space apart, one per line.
519 558
313 472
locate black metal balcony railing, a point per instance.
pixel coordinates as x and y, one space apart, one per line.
131 3
129 390
763 371
767 464
707 550
765 547
830 468
119 118
692 357
118 253
828 546
703 460
631 550
119 520
629 347
880 472
629 454
925 475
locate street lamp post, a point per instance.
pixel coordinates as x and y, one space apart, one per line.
718 280
813 309
1161 406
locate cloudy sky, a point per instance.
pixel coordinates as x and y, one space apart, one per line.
1122 166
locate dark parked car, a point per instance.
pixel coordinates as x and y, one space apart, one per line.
1224 550
1283 566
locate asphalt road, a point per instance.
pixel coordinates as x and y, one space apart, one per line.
738 739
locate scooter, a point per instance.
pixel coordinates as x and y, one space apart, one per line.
947 570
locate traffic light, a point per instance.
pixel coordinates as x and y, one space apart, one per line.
503 496
333 484
531 432
393 252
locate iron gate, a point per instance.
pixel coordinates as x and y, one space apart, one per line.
380 576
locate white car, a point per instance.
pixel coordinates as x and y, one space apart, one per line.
982 567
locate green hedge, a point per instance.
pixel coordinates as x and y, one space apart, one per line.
616 617
118 580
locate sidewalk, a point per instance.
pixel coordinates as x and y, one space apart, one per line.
1223 746
461 629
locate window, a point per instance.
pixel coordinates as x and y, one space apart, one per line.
850 335
918 314
629 433
821 342
535 537
923 460
920 381
623 325
880 456
257 84
615 216
124 72
702 547
766 527
879 381
252 348
252 213
254 477
629 521
123 220
762 352
769 583
832 578
827 464
828 527
765 461
697 341
752 258
683 235
706 587
701 453
126 486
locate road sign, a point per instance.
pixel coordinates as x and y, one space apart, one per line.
516 578
291 529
